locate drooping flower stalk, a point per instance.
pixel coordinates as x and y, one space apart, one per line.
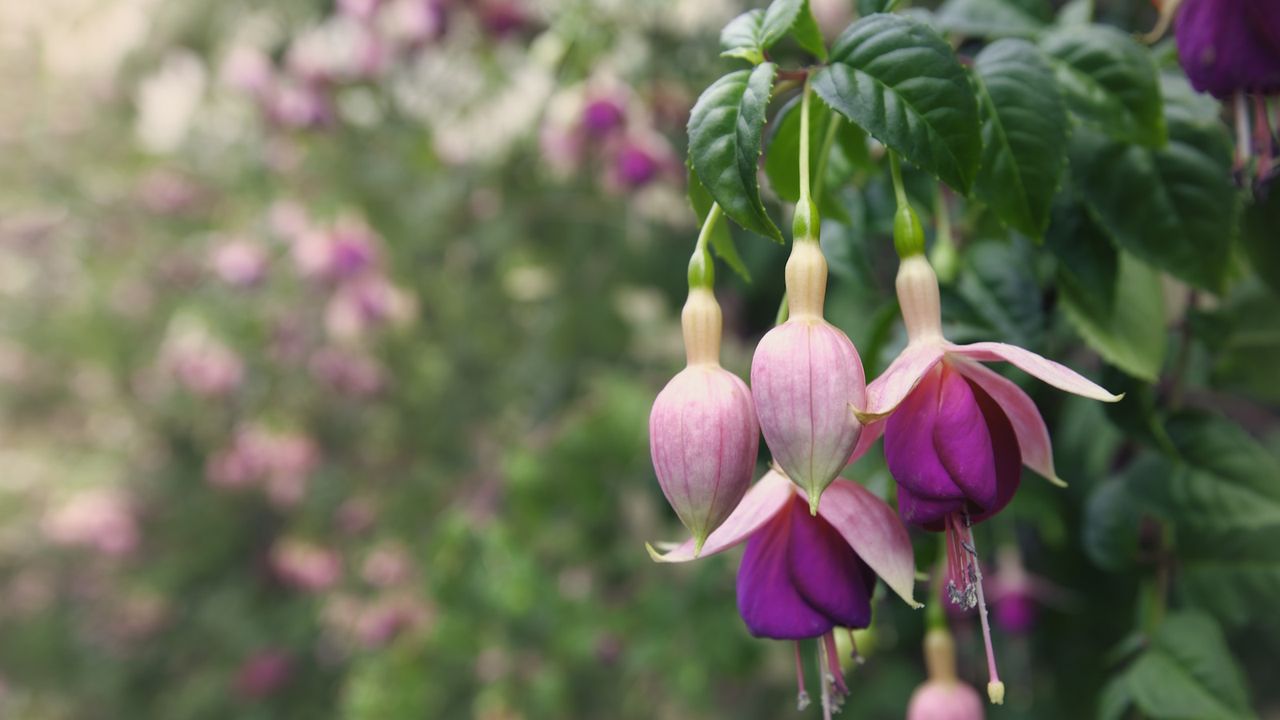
806 374
956 433
703 433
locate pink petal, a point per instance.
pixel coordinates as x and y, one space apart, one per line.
875 532
870 434
1028 426
895 383
760 504
1047 370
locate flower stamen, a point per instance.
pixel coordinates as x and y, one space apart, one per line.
802 697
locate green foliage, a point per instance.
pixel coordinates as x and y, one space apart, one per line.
994 18
1024 134
899 81
1109 81
725 129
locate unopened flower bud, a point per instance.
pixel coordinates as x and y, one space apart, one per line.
703 434
943 697
806 377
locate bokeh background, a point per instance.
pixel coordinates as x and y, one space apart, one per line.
328 336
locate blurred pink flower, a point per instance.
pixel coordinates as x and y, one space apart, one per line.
387 565
355 516
348 372
364 304
262 674
249 70
280 462
203 365
346 250
239 262
299 105
288 220
412 22
502 18
359 9
604 113
101 519
305 566
166 192
640 159
382 620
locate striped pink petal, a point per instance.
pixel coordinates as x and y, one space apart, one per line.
901 377
1047 370
758 506
875 532
1028 426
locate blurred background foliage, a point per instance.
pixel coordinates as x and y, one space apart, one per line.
328 337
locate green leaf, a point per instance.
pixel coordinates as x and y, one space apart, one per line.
1258 235
725 129
996 296
994 18
1173 207
1024 134
1129 331
1109 81
1225 502
871 7
743 37
1114 511
721 237
1188 673
1243 338
1075 12
1115 699
807 33
898 79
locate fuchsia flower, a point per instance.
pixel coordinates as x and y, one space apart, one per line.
805 377
703 434
804 575
957 433
943 696
1230 46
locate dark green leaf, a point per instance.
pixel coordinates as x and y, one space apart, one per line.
743 37
1113 514
1260 235
725 129
808 34
721 237
1137 414
1024 134
898 79
1188 673
994 18
1128 332
1243 336
1225 501
871 7
1173 207
996 296
1109 81
1075 12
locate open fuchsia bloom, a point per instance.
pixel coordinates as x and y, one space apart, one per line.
957 432
1229 46
802 575
703 434
806 377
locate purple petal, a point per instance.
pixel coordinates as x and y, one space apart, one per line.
925 512
1007 459
768 600
901 377
1047 370
1230 46
826 571
909 447
961 440
758 506
1028 426
874 532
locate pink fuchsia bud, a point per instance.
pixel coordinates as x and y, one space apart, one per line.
703 435
806 378
943 697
